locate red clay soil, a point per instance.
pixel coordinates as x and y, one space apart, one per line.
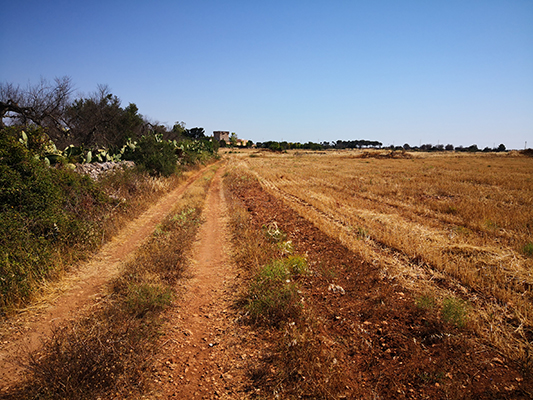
389 348
25 332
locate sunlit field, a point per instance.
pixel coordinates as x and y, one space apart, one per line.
445 226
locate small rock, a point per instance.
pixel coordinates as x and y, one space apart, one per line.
336 288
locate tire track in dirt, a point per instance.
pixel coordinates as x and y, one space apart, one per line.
202 355
24 333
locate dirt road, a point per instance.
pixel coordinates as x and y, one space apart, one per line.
202 354
25 332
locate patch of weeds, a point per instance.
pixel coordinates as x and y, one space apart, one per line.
273 233
286 247
145 297
297 265
528 249
158 231
90 358
181 217
273 297
454 311
301 362
426 302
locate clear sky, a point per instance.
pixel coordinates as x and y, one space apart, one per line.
426 71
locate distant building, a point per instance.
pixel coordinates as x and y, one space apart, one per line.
221 135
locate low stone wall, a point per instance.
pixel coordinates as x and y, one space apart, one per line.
95 170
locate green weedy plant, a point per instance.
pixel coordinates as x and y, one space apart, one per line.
454 311
426 302
273 297
297 266
181 218
146 297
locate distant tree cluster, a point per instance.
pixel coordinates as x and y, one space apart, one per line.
357 144
281 146
339 144
360 144
449 147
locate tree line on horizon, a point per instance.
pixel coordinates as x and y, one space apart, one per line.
370 144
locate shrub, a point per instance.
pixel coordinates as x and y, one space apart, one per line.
42 211
157 157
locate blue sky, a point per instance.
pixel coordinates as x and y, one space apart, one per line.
414 72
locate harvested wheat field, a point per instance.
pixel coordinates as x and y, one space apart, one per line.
420 271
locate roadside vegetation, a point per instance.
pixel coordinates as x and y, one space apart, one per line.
52 216
299 362
108 351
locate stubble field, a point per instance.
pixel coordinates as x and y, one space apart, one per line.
454 230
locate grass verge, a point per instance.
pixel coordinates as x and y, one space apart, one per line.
299 363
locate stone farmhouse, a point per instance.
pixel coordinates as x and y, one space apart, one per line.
225 135
221 135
